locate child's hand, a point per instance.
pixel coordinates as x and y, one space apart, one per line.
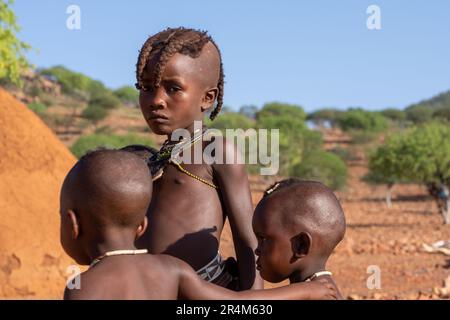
322 288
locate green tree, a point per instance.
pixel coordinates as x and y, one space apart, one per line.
395 115
323 116
290 121
386 167
442 114
419 155
231 120
95 113
322 166
128 95
362 120
12 50
419 114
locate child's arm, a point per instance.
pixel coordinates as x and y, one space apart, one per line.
234 188
191 287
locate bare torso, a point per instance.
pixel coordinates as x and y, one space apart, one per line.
185 217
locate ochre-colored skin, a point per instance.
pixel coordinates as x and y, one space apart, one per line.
186 216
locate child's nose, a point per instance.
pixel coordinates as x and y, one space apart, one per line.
155 99
257 251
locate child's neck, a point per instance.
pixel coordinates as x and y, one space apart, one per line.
191 128
308 271
110 241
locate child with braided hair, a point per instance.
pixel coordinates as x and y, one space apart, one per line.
180 78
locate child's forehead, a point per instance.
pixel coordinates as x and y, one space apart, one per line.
177 66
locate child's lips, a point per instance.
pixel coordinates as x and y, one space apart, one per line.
156 117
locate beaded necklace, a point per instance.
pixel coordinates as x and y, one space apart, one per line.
170 153
117 253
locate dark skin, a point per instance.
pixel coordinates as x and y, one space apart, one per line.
88 232
288 245
177 227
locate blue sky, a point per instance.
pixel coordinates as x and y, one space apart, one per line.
312 53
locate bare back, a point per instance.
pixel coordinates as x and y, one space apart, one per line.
139 277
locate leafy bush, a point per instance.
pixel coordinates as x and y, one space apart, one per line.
394 115
105 99
419 114
95 113
420 155
127 94
322 166
91 142
358 119
442 114
38 108
320 117
231 120
12 50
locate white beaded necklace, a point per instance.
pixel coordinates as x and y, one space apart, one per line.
117 253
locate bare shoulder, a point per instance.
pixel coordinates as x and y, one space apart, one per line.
232 159
83 288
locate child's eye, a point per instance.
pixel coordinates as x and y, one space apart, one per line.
174 89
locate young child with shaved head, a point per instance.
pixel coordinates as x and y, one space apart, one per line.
298 224
104 202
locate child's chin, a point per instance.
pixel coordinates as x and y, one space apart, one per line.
269 277
160 130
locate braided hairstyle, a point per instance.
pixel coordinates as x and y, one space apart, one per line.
176 40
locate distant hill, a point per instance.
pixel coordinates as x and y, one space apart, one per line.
440 101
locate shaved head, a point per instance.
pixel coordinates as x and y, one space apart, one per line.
208 65
109 187
310 206
196 44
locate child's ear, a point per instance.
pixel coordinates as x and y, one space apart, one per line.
209 98
141 228
74 223
301 244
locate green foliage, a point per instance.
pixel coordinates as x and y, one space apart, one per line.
322 166
12 58
290 120
320 117
421 154
38 108
91 142
230 120
344 153
439 101
281 110
127 94
394 115
71 82
249 111
385 163
442 114
95 113
419 114
104 99
80 85
358 119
